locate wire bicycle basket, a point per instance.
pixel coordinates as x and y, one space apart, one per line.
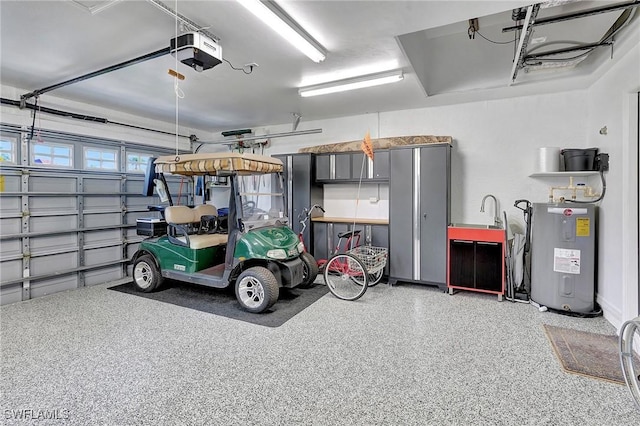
373 258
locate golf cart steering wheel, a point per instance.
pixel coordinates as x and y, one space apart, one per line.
209 224
248 207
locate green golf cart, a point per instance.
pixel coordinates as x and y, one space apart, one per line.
252 248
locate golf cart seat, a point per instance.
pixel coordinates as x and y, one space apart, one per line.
185 226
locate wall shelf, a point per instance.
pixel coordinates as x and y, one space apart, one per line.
564 174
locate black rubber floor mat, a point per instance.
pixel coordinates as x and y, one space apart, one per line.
223 301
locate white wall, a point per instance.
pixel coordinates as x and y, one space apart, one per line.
495 145
610 103
24 117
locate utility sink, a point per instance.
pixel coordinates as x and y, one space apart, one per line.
476 232
474 225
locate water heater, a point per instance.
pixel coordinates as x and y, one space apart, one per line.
563 256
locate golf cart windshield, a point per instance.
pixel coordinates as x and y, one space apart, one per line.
262 200
259 184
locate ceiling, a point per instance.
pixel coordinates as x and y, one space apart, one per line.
47 42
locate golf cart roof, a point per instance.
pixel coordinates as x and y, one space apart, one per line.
217 163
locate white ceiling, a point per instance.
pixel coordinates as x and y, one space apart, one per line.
48 42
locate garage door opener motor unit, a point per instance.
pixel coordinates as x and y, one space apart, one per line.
196 50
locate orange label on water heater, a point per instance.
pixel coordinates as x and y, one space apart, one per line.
582 226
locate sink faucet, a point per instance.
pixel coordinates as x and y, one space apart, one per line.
496 219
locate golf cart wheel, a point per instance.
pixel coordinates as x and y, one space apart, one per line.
310 270
257 289
146 276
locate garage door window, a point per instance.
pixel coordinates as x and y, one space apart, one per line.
8 151
136 162
52 154
100 159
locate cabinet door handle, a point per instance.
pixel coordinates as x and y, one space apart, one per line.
487 243
424 215
462 241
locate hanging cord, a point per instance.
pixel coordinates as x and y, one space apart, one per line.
176 87
243 69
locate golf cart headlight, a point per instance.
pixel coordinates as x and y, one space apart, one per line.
300 247
277 254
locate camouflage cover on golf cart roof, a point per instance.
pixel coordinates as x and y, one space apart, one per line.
212 163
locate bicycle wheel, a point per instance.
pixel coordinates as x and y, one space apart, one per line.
346 276
374 278
629 362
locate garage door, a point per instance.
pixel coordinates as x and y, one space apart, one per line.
68 209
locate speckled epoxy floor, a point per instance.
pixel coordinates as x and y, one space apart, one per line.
401 355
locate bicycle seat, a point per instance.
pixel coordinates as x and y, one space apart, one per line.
349 234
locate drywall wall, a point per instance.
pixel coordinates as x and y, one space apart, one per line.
494 148
610 103
24 117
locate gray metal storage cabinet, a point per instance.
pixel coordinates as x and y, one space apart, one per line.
301 191
420 188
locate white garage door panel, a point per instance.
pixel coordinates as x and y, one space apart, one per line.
53 263
102 255
131 249
105 219
10 225
11 182
134 186
101 203
53 223
101 184
59 226
105 237
10 205
10 294
59 242
52 204
11 270
55 285
52 184
138 202
103 275
9 249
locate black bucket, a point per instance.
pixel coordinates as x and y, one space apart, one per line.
578 160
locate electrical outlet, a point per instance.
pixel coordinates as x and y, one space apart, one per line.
373 200
602 160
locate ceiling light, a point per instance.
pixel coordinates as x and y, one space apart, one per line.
352 83
271 14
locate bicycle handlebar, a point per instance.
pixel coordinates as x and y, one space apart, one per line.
304 216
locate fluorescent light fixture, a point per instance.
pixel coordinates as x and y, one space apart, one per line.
352 83
271 14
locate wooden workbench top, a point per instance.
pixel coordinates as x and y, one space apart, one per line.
350 220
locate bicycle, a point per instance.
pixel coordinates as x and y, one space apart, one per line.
346 273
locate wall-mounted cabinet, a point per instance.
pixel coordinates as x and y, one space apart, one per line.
345 167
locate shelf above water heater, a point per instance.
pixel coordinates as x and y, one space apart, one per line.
564 174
